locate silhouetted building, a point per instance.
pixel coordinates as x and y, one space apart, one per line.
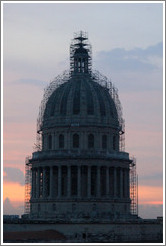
81 172
80 178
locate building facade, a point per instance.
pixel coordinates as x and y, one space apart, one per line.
80 170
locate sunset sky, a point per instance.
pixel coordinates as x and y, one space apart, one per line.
127 47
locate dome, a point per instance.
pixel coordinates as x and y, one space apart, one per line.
82 101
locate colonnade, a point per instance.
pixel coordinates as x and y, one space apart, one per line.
61 181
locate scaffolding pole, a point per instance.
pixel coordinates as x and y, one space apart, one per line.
133 188
28 180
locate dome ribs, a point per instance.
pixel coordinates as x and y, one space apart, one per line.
101 100
63 107
54 99
89 99
76 99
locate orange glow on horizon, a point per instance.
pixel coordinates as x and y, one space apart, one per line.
152 203
14 191
150 195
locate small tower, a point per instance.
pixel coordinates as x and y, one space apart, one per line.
80 54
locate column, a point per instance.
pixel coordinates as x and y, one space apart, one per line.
59 181
121 182
107 181
69 181
115 183
125 183
38 183
51 181
44 182
128 183
53 140
33 183
34 195
98 181
89 181
78 181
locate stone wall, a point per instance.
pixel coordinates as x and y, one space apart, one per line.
138 231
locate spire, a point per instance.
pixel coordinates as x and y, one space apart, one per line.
80 54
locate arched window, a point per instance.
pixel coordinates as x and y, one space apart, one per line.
114 142
61 141
104 141
49 142
75 140
90 141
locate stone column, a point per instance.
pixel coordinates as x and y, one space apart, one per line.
115 182
38 183
51 181
78 181
125 183
121 182
59 181
69 181
89 181
34 195
44 182
128 183
107 182
67 140
53 140
98 181
33 183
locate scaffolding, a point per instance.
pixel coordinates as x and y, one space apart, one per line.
28 180
113 91
52 86
80 39
97 77
133 188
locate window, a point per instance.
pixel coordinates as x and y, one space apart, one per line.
64 181
39 208
114 143
61 141
103 181
54 207
93 181
90 141
49 142
74 181
73 207
104 142
75 140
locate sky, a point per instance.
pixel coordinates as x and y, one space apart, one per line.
127 47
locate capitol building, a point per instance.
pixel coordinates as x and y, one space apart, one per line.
79 176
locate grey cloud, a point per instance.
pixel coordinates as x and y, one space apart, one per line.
137 59
14 175
151 179
8 208
30 81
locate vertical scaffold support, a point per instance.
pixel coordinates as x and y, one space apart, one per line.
133 188
28 179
